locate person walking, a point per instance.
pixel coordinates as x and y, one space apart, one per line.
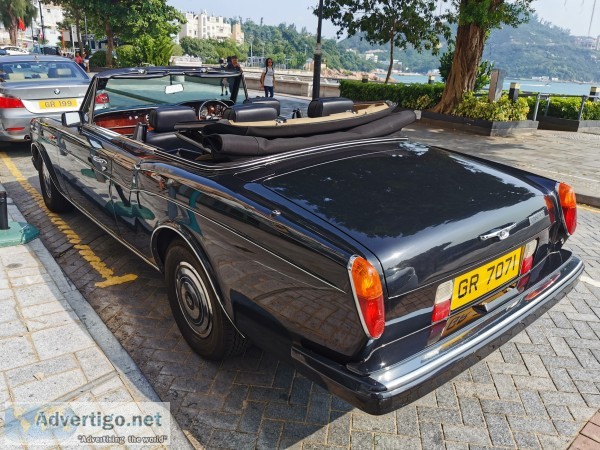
267 79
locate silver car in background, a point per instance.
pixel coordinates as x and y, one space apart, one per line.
35 86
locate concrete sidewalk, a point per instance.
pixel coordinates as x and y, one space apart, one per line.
53 345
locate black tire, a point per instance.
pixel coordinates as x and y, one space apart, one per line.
196 308
54 200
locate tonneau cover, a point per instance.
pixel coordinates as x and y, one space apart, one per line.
255 145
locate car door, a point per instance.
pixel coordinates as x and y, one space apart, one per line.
86 165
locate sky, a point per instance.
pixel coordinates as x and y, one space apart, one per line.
571 14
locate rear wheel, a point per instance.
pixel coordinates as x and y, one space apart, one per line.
196 308
54 200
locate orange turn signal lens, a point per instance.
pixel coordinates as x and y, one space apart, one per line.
568 204
368 295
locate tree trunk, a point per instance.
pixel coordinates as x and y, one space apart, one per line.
109 43
470 39
389 72
12 33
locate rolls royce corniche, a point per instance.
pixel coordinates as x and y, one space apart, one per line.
378 267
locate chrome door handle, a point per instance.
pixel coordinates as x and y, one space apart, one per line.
101 162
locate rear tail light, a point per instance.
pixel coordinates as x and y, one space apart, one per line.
568 204
102 98
526 263
443 299
368 295
10 102
527 260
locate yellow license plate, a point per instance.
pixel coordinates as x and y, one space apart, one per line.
58 103
486 278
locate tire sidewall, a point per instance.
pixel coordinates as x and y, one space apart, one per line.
212 346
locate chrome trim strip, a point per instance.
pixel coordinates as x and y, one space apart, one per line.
356 302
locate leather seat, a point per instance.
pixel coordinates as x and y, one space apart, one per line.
163 120
272 102
325 106
250 112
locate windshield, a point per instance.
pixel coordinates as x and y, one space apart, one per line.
43 71
130 93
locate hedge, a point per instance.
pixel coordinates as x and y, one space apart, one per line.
567 108
410 96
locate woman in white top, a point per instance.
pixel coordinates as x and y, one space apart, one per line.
267 79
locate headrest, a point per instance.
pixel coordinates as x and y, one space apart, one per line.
250 112
272 102
324 106
164 118
62 72
15 76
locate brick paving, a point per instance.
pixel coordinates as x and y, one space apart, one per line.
537 391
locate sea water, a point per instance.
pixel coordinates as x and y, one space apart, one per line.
544 87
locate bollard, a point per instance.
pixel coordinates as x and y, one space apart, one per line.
431 79
365 78
595 94
3 211
513 92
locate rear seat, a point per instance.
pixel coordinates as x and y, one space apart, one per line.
250 112
325 106
163 120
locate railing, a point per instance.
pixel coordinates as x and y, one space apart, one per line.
547 97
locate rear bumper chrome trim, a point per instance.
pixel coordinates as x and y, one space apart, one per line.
400 384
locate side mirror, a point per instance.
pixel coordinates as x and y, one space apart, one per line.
71 119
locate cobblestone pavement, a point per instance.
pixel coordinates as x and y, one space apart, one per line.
536 391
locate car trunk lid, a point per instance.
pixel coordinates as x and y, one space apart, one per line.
42 96
421 211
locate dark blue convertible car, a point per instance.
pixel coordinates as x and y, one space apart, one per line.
378 267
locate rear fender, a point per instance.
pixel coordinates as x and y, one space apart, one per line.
164 235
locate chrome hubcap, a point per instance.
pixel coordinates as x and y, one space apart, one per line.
193 299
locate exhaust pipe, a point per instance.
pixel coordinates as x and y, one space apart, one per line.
27 137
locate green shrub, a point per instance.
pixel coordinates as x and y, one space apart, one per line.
481 108
98 59
410 96
128 56
567 108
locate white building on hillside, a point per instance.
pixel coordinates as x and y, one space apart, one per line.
204 26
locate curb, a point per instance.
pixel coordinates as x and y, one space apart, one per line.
128 371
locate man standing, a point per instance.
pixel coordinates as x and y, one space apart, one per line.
233 64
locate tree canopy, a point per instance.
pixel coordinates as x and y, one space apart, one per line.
145 23
398 22
13 10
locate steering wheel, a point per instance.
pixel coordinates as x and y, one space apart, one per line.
211 109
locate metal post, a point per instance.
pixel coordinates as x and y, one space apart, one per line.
583 100
317 56
87 38
537 105
3 211
42 23
513 92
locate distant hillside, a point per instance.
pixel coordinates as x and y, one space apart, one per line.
534 49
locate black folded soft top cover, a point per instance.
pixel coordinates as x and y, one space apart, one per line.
225 139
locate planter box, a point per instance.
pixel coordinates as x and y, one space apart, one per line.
577 126
484 127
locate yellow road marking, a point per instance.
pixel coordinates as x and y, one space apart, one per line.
588 208
84 250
